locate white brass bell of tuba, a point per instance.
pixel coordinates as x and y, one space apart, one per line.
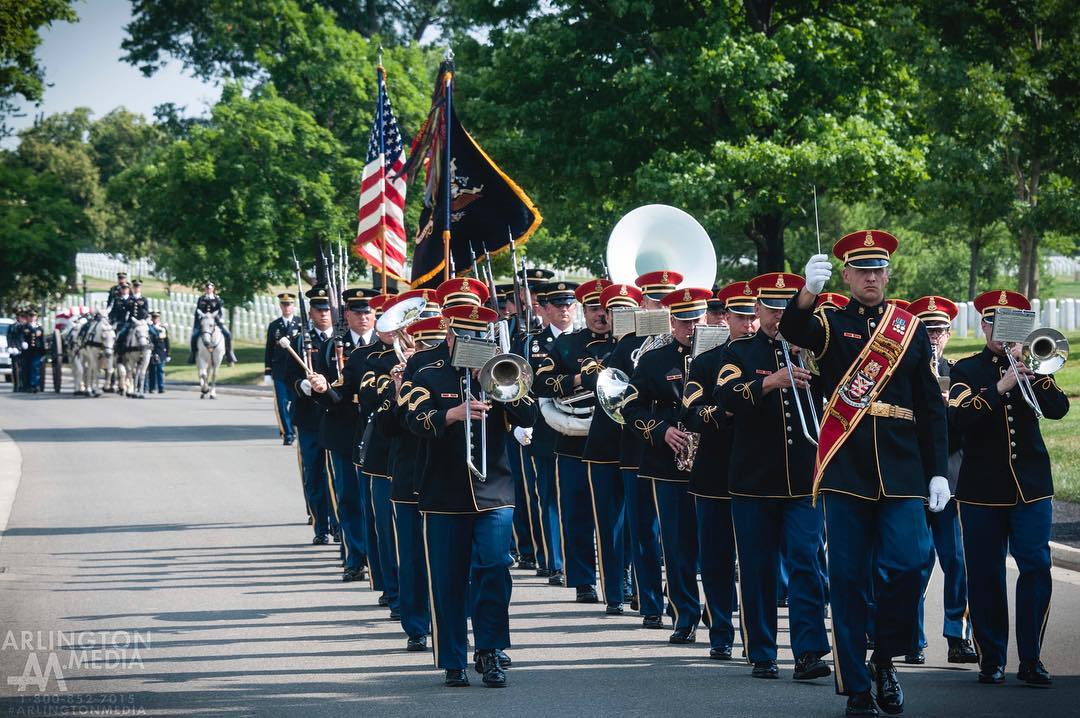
655 237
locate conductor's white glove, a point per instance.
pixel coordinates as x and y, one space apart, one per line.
523 435
817 273
268 380
939 493
305 386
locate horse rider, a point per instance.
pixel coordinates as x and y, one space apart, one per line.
276 362
1006 504
210 303
874 475
569 373
114 290
159 354
936 314
709 473
118 308
467 521
136 308
771 482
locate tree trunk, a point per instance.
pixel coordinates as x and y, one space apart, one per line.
1027 254
1033 273
973 267
769 230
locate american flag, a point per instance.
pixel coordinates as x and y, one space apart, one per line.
382 192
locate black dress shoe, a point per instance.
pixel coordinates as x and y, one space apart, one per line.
350 575
337 537
992 675
888 693
765 669
683 635
915 658
320 540
543 572
383 600
614 609
415 645
961 651
494 675
527 564
652 622
587 594
556 578
869 643
720 653
395 614
287 441
861 704
456 678
500 656
1034 673
808 666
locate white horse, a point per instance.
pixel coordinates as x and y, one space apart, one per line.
133 358
211 346
93 353
69 339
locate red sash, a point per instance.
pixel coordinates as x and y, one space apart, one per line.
862 383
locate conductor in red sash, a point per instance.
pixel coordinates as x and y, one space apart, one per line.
882 451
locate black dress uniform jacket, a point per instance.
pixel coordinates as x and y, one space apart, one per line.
276 360
770 456
603 445
1005 459
654 404
446 484
573 353
306 414
137 308
544 437
631 447
701 413
373 393
338 422
208 305
409 451
885 456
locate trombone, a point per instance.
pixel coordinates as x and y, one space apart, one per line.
1044 352
785 348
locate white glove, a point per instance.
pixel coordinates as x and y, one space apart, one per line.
939 493
818 270
25 345
268 380
523 436
305 386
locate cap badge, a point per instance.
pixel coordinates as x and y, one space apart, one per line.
931 305
622 291
444 323
464 285
322 293
663 278
686 296
1003 298
780 281
475 313
869 241
746 289
561 286
599 286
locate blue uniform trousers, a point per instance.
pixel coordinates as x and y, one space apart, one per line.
948 548
35 362
716 552
412 571
548 498
523 526
283 398
765 529
888 533
531 489
383 519
678 535
372 545
348 508
576 521
314 473
606 494
989 532
468 556
643 535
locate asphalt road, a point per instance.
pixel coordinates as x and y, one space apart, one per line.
165 538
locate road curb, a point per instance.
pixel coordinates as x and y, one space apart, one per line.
10 473
225 389
1065 556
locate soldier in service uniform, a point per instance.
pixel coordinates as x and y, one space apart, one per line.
882 449
467 521
771 482
709 475
653 409
32 343
159 354
276 362
118 308
210 303
14 342
114 290
1005 491
567 374
135 307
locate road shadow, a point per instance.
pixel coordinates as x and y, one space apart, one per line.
126 434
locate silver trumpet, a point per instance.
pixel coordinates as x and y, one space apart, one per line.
797 393
1045 351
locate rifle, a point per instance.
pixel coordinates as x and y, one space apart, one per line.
302 339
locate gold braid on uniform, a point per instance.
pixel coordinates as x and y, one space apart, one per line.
646 427
727 373
691 393
425 417
591 366
745 390
368 379
417 397
819 314
706 414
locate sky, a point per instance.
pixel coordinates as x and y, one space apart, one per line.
83 66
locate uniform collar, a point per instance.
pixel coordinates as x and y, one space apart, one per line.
555 331
859 309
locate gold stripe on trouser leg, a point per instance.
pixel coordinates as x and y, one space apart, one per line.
562 528
1049 600
373 551
543 533
300 465
528 497
704 595
974 637
832 613
397 542
667 556
431 598
277 414
596 524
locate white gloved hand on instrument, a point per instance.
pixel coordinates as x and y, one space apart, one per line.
523 436
817 273
939 493
305 386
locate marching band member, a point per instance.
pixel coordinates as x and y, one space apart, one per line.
771 482
565 374
709 475
883 447
936 314
652 410
467 522
601 458
1005 491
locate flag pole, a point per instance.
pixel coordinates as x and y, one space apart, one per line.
446 168
380 77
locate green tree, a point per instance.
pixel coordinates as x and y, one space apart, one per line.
20 72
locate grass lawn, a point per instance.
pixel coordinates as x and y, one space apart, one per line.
249 370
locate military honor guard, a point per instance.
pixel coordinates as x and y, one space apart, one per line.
276 362
467 518
1005 491
159 354
114 290
567 403
210 303
14 343
32 354
771 482
882 450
